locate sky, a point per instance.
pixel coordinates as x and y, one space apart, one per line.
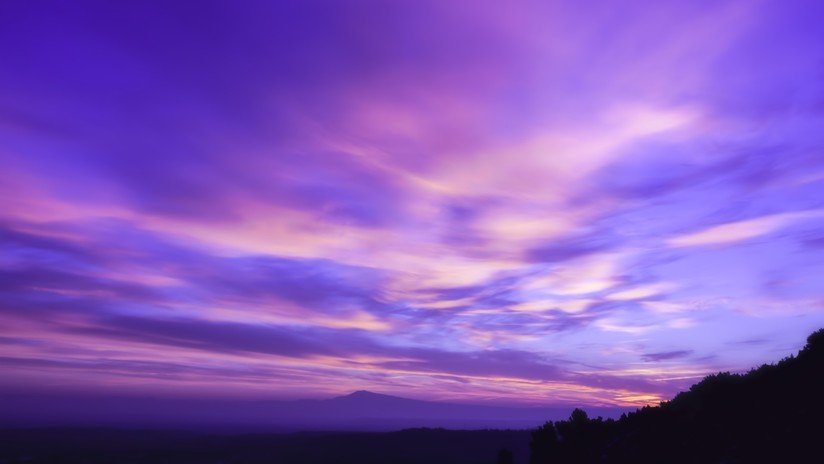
553 202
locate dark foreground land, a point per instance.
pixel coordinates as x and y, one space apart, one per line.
98 446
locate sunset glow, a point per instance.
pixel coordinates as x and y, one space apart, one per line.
512 202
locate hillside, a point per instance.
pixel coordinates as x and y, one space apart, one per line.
772 414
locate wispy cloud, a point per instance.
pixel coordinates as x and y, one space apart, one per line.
654 357
739 231
525 201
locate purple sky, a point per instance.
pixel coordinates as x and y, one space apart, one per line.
577 202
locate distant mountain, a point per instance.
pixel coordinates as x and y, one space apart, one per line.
361 410
365 410
772 414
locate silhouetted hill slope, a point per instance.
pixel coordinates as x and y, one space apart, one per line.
772 414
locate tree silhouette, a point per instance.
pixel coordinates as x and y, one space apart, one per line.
771 414
544 444
505 456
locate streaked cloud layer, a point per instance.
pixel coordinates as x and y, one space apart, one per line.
543 202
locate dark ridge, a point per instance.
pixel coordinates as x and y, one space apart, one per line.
771 414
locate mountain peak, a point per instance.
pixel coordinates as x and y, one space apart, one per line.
363 394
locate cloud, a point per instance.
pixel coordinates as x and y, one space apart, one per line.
665 356
565 249
416 194
641 292
488 364
815 242
223 337
733 232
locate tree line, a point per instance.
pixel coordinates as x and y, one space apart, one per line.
771 414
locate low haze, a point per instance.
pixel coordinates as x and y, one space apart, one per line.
502 203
